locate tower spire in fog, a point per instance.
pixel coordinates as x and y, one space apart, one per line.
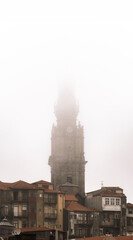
67 146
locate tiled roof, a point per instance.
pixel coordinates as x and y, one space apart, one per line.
3 186
37 229
129 204
125 238
92 238
113 189
109 193
71 197
75 206
52 191
21 185
108 238
43 182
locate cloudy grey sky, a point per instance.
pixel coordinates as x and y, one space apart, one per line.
46 43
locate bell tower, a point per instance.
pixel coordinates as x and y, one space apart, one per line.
67 145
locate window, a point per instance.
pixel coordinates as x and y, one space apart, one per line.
15 211
80 218
24 207
24 196
86 232
46 197
85 218
50 198
117 201
15 195
106 217
106 201
32 193
33 207
117 215
130 211
24 223
7 196
73 216
24 210
79 231
6 210
129 221
112 201
15 223
33 224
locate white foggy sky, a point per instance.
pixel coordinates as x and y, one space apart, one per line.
46 43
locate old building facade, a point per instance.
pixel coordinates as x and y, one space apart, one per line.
32 205
79 221
111 204
129 214
67 147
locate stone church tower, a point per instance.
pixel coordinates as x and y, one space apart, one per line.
67 147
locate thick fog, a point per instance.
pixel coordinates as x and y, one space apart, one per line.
45 44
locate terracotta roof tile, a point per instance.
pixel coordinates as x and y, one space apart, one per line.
113 188
109 193
71 197
36 229
21 185
43 182
125 238
52 191
108 238
129 204
92 238
75 206
3 186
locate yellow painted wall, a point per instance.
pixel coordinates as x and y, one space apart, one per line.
20 223
61 205
20 210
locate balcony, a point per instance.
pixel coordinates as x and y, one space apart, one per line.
50 200
83 222
50 215
22 215
130 228
111 223
107 223
32 199
24 199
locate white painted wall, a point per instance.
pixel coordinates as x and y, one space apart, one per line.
110 207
